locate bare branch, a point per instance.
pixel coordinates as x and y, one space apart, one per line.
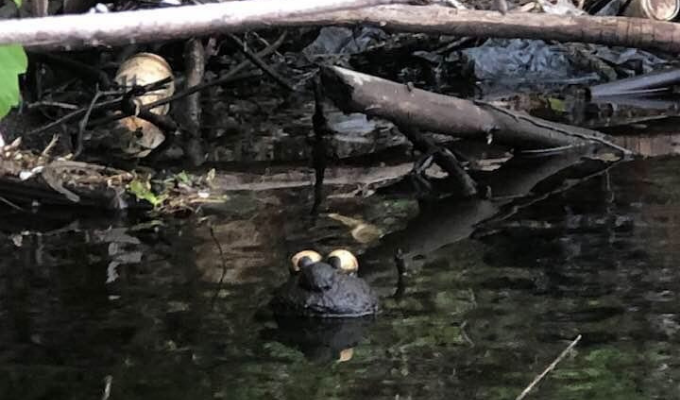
75 31
406 106
86 30
550 368
614 31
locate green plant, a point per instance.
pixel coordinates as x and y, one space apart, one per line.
142 190
13 62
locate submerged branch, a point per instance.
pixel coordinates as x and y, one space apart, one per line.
550 368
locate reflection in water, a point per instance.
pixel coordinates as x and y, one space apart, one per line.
320 340
650 146
479 318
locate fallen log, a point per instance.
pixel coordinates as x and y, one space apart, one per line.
438 19
92 30
70 32
408 106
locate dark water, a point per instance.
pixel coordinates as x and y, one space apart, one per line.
167 314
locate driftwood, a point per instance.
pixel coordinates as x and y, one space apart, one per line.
408 106
87 30
64 183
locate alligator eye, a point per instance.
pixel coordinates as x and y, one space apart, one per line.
302 258
344 261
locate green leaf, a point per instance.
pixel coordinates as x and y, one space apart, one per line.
557 104
13 62
143 191
18 2
183 178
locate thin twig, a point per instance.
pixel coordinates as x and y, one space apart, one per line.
50 146
264 53
57 104
73 115
84 70
464 334
11 204
224 264
138 90
265 42
550 368
319 159
230 76
108 379
107 104
83 123
221 81
255 59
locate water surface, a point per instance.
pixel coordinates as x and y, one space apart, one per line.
166 313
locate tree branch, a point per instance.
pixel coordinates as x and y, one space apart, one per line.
437 19
87 30
69 32
352 91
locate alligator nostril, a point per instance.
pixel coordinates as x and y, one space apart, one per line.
334 262
317 277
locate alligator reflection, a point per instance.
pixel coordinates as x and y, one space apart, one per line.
320 340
